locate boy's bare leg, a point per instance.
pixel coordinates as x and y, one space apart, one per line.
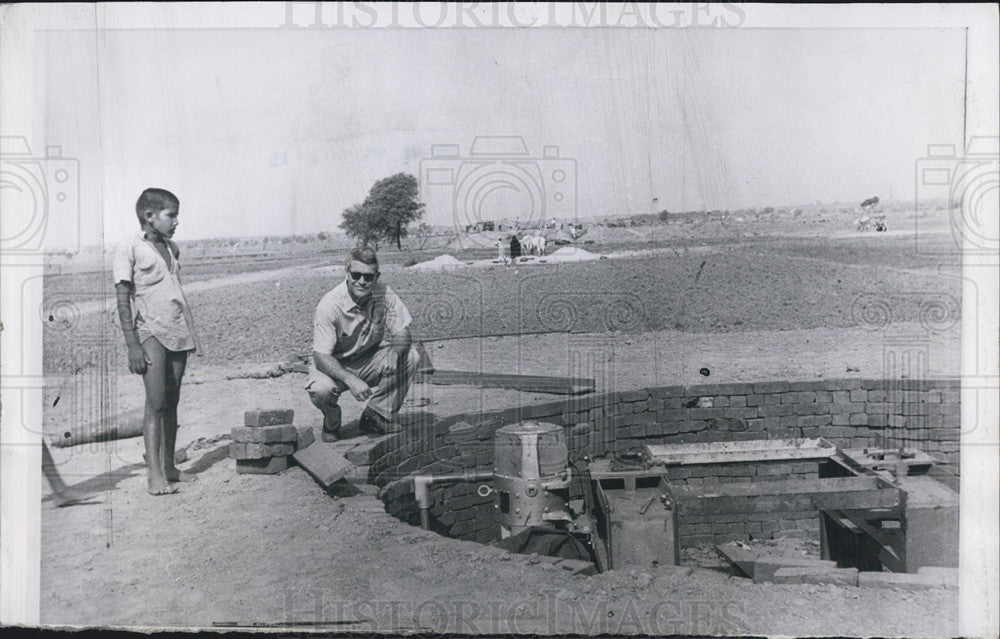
155 381
62 494
175 371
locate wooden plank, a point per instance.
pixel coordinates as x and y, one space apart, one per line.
791 495
527 383
780 487
744 451
890 555
765 567
857 499
761 564
323 463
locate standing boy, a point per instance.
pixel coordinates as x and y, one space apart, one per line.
158 328
361 343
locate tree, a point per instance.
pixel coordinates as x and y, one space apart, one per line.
360 224
387 211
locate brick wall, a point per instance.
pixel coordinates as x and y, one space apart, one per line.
717 528
851 413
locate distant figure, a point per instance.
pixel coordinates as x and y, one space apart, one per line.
515 247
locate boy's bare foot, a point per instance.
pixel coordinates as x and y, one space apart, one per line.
180 475
161 488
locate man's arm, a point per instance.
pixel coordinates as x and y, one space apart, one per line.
136 356
329 366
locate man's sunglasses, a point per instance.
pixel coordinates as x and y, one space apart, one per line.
368 277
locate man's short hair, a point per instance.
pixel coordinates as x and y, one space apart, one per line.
362 254
154 200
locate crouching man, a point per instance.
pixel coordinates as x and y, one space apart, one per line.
361 343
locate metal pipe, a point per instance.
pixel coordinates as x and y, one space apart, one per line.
422 484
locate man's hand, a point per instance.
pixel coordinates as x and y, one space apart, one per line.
137 360
389 365
358 388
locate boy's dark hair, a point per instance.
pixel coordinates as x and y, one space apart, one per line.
362 254
154 200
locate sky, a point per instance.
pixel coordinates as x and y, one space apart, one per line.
272 132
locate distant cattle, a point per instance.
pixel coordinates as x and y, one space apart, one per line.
533 244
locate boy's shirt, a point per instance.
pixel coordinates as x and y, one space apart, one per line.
160 309
347 331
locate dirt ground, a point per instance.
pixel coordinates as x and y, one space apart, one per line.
278 549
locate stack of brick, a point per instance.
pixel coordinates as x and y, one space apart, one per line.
262 445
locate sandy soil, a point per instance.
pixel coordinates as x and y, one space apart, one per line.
251 549
238 548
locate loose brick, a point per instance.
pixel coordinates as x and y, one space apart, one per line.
269 466
268 417
239 451
265 434
304 436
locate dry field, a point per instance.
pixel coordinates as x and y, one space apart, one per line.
779 297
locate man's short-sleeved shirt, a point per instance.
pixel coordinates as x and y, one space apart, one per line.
346 330
159 307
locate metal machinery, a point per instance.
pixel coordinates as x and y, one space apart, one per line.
531 477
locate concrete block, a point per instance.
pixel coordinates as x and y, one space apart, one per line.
765 567
900 581
265 434
816 575
947 576
268 417
304 437
269 466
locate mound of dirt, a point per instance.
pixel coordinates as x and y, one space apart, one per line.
572 254
439 262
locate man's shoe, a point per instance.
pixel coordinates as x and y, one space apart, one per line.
372 422
331 424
